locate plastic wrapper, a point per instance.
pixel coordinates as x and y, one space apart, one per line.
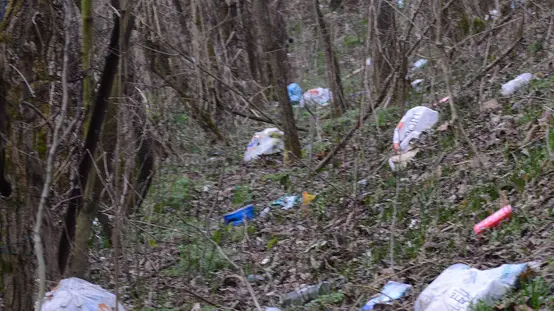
295 93
514 85
238 217
412 124
416 84
460 286
74 294
391 291
318 96
286 202
269 141
400 161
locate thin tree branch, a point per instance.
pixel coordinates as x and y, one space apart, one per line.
39 252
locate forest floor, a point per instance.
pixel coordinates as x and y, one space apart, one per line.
174 257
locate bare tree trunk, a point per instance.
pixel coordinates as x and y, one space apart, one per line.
333 69
274 43
21 166
91 141
383 52
248 29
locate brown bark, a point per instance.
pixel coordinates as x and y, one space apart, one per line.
100 106
333 69
383 52
274 44
21 169
251 49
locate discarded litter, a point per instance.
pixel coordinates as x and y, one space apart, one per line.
416 84
412 124
401 160
237 217
493 220
74 294
295 93
307 198
493 14
419 64
391 291
460 286
306 294
286 202
319 96
265 212
269 141
272 309
514 85
255 278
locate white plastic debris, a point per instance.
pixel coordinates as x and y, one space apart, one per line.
272 309
391 291
319 96
460 286
493 14
74 294
413 123
419 64
416 84
514 85
266 142
400 161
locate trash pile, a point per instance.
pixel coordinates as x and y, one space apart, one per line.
413 123
460 286
74 294
318 96
269 141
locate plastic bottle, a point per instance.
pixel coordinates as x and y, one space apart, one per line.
305 294
493 220
514 85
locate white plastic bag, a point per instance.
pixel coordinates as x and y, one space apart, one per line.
460 286
514 85
74 294
401 160
412 124
266 142
319 96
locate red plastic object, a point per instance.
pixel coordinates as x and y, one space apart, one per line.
493 220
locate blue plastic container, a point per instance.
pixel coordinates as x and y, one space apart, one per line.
237 217
295 93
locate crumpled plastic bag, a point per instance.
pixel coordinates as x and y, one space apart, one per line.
401 160
269 141
295 93
517 83
319 96
460 286
391 291
74 294
412 124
